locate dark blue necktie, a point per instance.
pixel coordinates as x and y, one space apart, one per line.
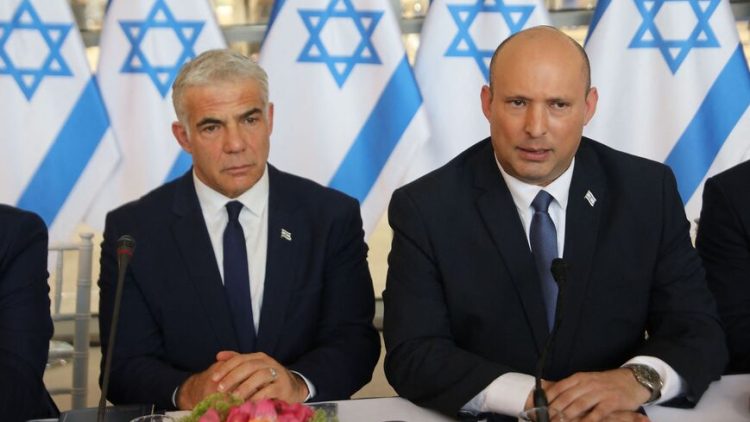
543 238
237 279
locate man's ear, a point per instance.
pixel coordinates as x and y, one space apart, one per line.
591 99
486 96
181 134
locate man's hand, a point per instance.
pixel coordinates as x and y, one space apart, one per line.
256 376
195 388
595 396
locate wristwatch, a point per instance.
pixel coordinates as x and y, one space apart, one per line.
647 377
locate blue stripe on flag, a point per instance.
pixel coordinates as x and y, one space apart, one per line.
68 156
601 7
277 5
181 164
380 134
717 116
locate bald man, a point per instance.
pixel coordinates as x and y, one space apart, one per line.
470 301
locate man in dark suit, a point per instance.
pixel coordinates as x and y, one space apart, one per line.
290 316
724 244
469 307
25 323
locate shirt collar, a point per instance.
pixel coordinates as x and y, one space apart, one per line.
524 193
254 199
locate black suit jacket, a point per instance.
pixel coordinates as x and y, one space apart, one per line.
25 323
463 302
318 303
724 244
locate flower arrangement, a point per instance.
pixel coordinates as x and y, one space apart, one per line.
220 407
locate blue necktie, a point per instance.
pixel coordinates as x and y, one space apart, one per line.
543 238
237 279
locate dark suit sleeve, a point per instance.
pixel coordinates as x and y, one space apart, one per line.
140 374
683 327
723 244
423 363
346 346
25 324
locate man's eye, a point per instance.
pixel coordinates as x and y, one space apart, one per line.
210 128
517 103
560 104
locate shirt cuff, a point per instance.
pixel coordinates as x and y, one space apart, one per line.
674 384
506 395
310 386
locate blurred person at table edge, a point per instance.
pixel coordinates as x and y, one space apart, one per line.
245 279
723 242
25 323
470 299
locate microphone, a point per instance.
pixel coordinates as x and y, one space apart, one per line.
125 249
559 271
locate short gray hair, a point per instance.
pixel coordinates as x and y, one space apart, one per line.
216 66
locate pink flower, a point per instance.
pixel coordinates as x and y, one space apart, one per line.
210 416
265 409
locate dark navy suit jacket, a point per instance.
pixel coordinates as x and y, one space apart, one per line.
25 324
724 244
318 303
463 303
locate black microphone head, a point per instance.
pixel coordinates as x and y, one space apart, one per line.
559 271
125 245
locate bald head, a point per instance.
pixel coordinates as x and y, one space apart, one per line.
539 40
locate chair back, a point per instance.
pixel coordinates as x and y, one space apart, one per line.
81 316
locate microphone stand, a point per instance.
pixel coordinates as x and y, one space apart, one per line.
559 271
125 248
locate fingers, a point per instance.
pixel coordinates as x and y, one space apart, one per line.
594 396
261 379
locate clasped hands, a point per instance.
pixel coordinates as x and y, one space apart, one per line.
612 396
252 376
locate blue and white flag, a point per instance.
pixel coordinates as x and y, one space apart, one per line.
673 86
458 40
57 148
347 113
144 44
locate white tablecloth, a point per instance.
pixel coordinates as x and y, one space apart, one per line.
727 400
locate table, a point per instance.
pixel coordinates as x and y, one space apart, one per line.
727 400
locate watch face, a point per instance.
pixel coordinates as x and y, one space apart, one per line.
649 378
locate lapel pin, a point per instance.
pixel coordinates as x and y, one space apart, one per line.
286 235
590 197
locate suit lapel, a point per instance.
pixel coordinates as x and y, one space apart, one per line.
582 228
191 236
501 219
279 261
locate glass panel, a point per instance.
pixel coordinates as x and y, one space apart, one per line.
242 12
570 4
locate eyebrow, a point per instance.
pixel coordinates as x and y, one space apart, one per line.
217 121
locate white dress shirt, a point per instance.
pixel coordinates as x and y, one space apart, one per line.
507 394
254 221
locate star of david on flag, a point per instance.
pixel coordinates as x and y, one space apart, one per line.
52 35
340 65
144 43
347 112
514 17
459 38
674 86
55 168
160 17
674 51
